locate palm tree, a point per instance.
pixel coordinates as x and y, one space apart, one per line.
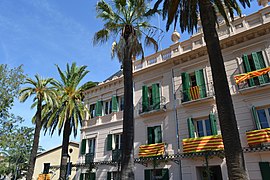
70 111
188 11
126 20
43 92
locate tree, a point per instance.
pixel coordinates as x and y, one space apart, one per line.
188 13
128 21
10 80
70 111
15 145
42 92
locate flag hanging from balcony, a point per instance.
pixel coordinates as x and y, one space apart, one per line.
195 92
152 150
245 76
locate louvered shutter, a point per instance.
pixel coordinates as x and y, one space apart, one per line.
165 174
258 66
248 69
256 117
147 174
99 108
109 142
145 103
213 122
265 170
81 176
186 86
261 60
200 82
156 96
83 146
191 127
109 176
114 104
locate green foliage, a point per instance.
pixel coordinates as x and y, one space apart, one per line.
15 144
10 80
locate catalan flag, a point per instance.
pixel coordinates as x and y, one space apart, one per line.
242 77
152 150
258 136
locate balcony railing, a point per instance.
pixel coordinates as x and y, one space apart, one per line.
152 106
89 158
206 143
197 92
116 155
152 150
258 137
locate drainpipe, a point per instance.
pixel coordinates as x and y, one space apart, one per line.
176 121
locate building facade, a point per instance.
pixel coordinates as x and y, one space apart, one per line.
177 133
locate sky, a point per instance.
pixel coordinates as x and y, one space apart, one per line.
42 33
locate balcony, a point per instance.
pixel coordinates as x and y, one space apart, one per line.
196 93
206 143
253 79
258 137
151 150
152 107
116 155
89 158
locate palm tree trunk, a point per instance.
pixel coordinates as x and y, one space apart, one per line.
32 159
229 130
127 161
64 155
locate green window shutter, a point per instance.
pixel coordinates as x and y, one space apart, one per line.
256 117
158 134
81 176
150 135
186 86
114 104
156 96
248 69
261 59
109 142
265 170
213 122
109 176
200 82
165 174
147 174
99 108
145 103
257 64
191 127
83 146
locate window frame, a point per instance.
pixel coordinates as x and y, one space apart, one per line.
267 114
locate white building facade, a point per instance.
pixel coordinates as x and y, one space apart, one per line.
177 133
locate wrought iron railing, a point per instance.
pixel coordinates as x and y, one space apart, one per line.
116 155
89 158
197 92
152 105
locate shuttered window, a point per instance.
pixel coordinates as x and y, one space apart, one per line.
114 104
193 85
154 134
261 117
265 170
202 127
150 97
109 142
113 141
151 174
254 62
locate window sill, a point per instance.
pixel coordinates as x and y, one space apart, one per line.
155 111
253 89
198 101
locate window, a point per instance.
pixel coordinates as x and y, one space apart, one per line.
121 103
253 62
150 97
161 174
108 107
113 141
202 127
98 108
154 135
193 85
92 110
113 175
261 117
91 145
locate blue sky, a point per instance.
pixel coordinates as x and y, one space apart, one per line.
42 33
